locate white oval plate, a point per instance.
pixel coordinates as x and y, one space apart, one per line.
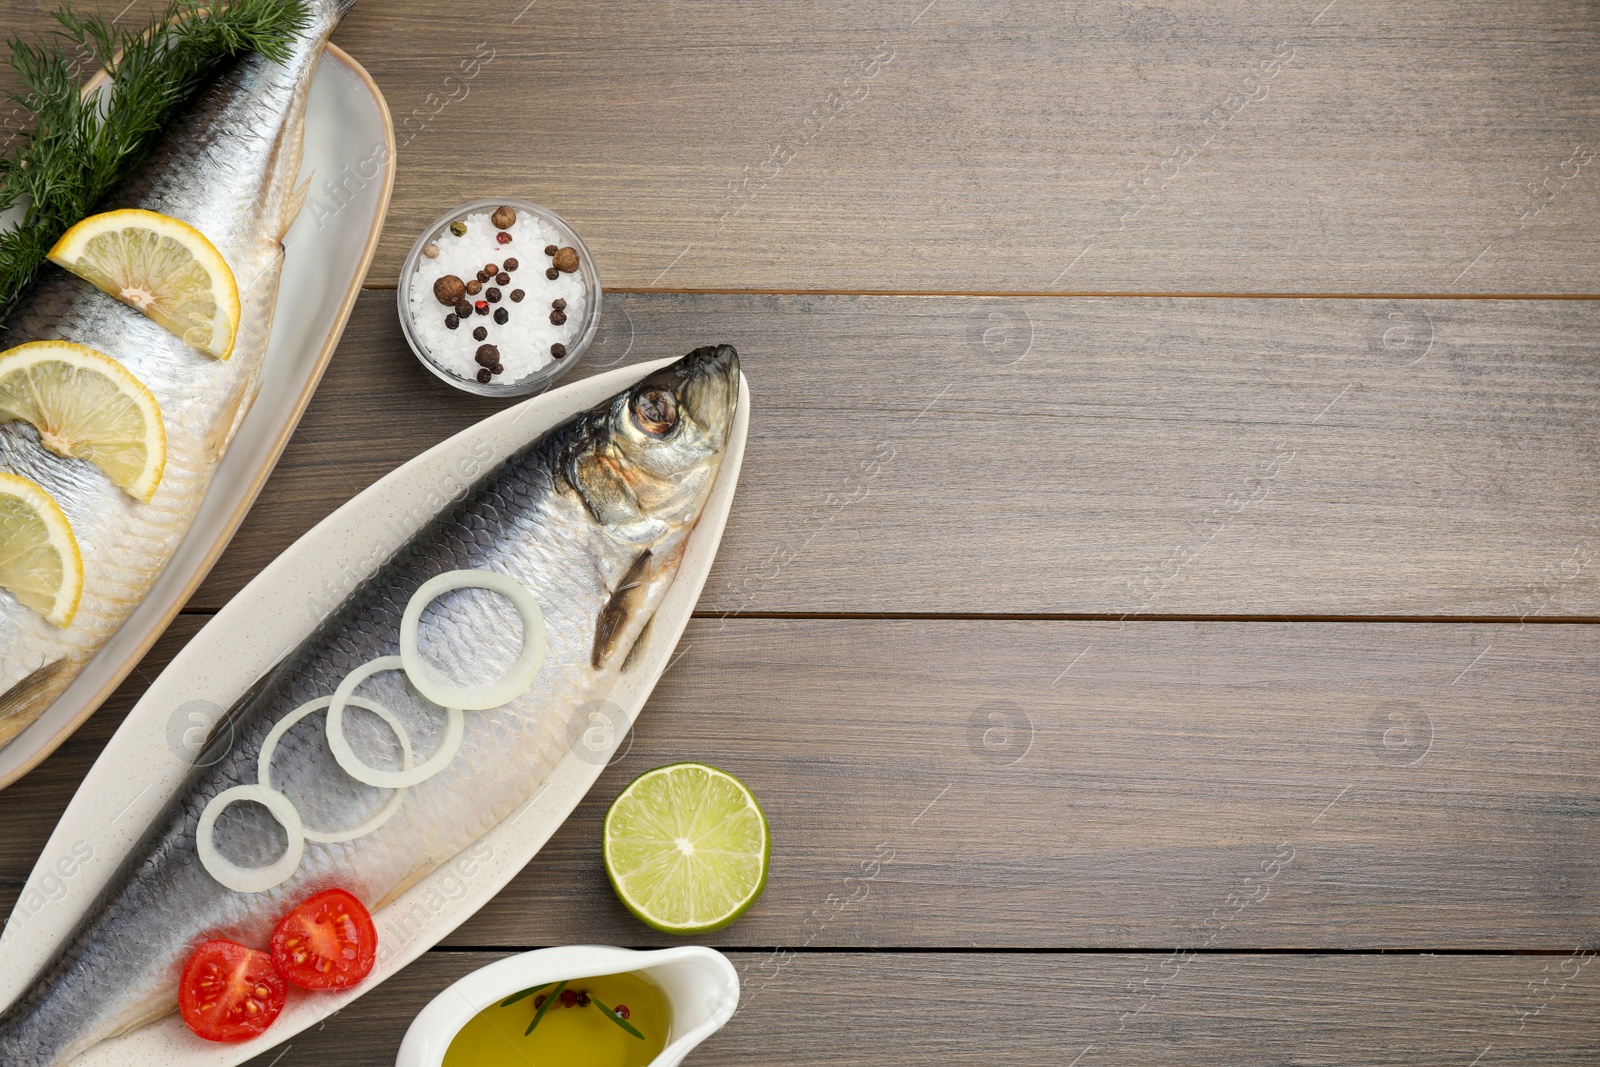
349 159
145 762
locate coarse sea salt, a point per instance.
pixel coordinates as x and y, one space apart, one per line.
524 340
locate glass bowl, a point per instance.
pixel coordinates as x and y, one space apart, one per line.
582 332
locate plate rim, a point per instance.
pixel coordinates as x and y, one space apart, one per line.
136 649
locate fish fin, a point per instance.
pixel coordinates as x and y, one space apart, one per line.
26 701
626 602
639 645
223 731
297 202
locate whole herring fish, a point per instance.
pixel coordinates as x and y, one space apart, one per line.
226 166
592 520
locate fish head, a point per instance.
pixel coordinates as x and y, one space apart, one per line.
646 465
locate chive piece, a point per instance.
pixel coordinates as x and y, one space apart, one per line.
549 1002
614 1017
513 998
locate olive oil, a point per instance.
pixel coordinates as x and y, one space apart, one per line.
579 1035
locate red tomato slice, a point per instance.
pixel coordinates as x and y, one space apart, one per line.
229 992
328 942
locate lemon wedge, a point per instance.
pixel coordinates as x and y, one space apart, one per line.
86 405
160 266
39 560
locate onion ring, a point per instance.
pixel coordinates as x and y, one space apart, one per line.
455 724
439 689
335 837
250 879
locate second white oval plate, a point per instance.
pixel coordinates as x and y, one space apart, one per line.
146 761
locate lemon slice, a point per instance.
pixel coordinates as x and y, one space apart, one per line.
86 405
687 848
39 560
159 266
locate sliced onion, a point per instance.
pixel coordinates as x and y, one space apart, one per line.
439 689
455 723
334 837
250 879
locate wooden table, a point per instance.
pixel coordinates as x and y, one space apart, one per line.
1159 615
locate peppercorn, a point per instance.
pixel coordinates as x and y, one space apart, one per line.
480 333
448 289
517 295
475 287
490 270
493 294
501 315
568 998
488 355
458 228
504 217
481 307
451 321
502 278
483 376
558 318
538 1001
430 250
482 277
463 307
558 350
621 1011
566 259
503 237
498 368
551 250
511 264
583 998
552 274
559 304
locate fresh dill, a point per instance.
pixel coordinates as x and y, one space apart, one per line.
78 148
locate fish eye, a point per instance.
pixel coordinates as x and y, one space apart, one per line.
655 410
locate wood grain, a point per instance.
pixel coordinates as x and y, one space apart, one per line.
1047 784
980 1009
1382 147
1088 456
1379 147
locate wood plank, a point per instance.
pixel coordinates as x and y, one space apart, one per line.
1208 785
1382 147
973 1008
1081 456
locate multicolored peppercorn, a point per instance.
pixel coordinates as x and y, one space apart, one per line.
448 289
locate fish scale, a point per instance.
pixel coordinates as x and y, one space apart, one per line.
598 500
226 166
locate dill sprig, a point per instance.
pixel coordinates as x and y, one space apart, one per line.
76 150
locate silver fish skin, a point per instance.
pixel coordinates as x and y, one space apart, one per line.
592 519
226 166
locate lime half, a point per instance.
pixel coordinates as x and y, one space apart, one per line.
687 848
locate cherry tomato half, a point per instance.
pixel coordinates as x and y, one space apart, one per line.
328 942
229 992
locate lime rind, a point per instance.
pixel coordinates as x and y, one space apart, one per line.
687 891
